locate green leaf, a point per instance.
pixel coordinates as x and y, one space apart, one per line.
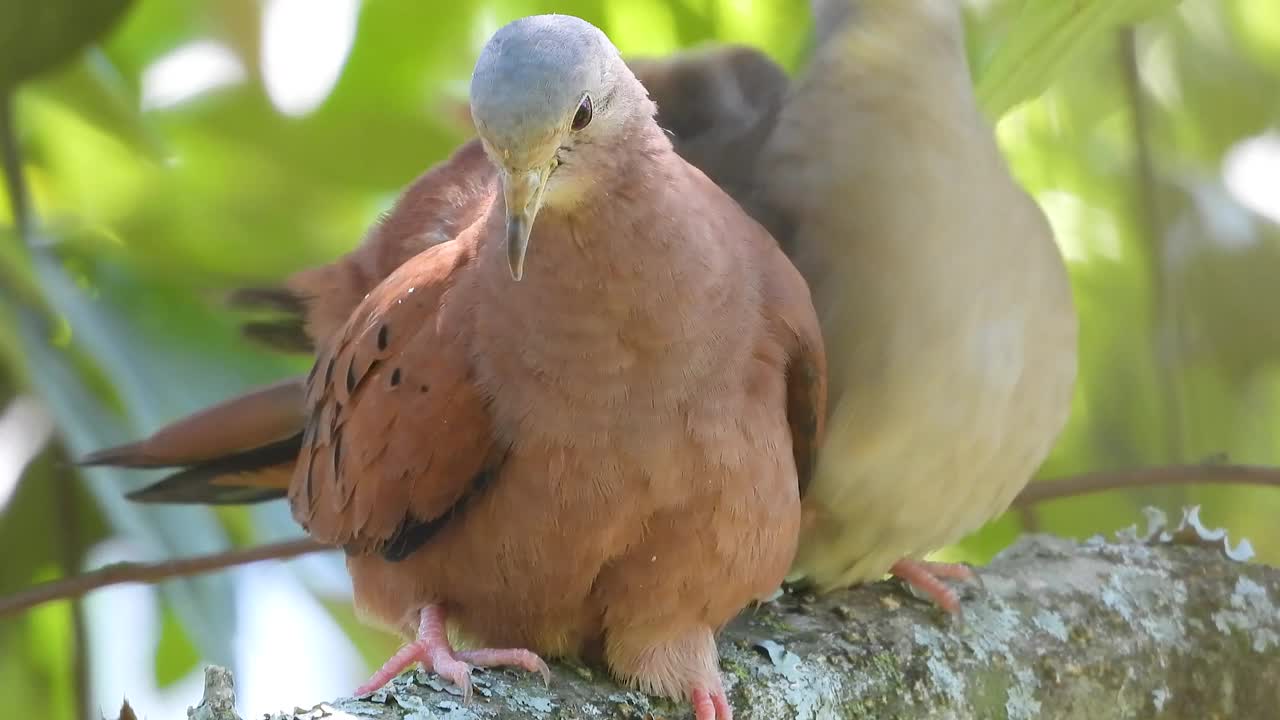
205 603
48 649
30 684
36 36
93 87
176 655
1046 37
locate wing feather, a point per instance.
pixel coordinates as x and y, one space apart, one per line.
806 366
398 434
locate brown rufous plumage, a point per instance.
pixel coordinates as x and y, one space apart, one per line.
716 104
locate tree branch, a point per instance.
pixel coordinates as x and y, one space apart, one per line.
128 572
1059 631
1201 474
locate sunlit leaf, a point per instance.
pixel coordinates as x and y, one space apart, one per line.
176 655
48 647
92 86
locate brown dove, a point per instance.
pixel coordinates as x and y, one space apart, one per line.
578 423
945 304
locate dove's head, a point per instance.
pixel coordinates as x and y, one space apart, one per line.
552 100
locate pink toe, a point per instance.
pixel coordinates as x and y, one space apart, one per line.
455 671
517 658
950 571
404 659
924 577
703 707
711 705
723 709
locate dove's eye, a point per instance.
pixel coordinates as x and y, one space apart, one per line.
582 118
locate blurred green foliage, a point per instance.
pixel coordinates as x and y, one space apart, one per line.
148 211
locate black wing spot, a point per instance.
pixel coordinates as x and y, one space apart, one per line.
382 338
308 484
413 534
351 379
424 388
395 377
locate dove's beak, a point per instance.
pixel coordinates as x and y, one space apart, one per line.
522 190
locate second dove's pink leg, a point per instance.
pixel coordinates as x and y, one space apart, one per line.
433 650
927 577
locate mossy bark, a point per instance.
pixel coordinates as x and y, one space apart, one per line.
1058 630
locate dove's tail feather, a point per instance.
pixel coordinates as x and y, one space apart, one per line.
238 451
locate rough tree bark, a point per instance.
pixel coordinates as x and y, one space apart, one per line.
1165 626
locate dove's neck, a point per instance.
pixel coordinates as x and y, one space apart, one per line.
633 236
624 282
617 222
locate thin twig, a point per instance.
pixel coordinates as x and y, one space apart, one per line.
1045 490
129 572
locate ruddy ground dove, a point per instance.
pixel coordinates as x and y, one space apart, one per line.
944 302
577 424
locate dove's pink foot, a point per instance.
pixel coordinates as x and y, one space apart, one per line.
711 704
433 650
927 577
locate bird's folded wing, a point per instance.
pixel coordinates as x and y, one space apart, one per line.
806 366
398 436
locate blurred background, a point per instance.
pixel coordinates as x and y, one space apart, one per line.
171 150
